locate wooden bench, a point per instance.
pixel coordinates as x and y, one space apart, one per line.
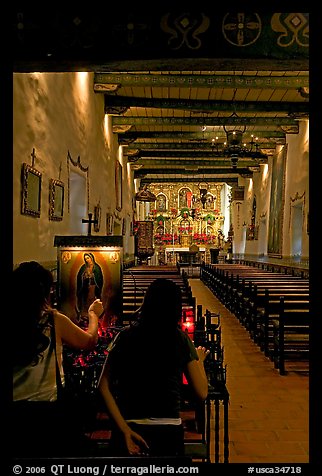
254 307
136 281
232 284
291 337
264 336
251 297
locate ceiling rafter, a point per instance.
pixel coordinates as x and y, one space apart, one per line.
191 162
204 121
182 146
113 104
193 136
200 81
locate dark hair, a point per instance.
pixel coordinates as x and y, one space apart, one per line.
162 303
32 285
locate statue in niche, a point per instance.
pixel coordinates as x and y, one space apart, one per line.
161 204
185 198
210 201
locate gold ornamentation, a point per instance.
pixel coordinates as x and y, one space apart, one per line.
294 27
184 30
241 29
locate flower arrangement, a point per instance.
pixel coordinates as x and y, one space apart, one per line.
202 238
136 227
166 238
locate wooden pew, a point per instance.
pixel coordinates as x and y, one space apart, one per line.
254 307
272 309
136 281
290 337
232 283
251 297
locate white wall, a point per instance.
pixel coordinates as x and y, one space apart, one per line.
55 113
297 187
296 194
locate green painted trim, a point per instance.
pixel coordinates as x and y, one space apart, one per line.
185 146
228 180
132 136
202 81
204 121
192 162
228 170
119 105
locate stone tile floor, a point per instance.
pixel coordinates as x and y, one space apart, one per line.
268 413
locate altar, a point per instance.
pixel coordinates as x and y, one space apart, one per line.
184 254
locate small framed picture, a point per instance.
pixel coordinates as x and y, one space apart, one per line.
31 191
97 218
109 223
56 200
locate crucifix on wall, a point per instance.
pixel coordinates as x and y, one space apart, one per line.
90 223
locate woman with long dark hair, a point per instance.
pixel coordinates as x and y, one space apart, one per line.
40 332
142 379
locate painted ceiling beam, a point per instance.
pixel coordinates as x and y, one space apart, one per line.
193 136
177 171
181 154
193 163
204 121
119 104
199 81
228 180
183 146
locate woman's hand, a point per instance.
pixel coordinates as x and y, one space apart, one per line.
135 444
96 307
202 353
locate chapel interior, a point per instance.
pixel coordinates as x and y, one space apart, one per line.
175 143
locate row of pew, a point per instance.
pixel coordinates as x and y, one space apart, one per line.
273 307
136 280
207 333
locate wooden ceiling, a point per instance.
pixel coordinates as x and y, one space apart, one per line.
171 123
174 80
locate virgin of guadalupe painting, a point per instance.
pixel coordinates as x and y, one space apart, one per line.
276 211
88 274
89 284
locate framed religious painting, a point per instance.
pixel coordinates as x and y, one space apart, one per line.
109 223
118 185
98 256
97 217
276 210
30 191
56 200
